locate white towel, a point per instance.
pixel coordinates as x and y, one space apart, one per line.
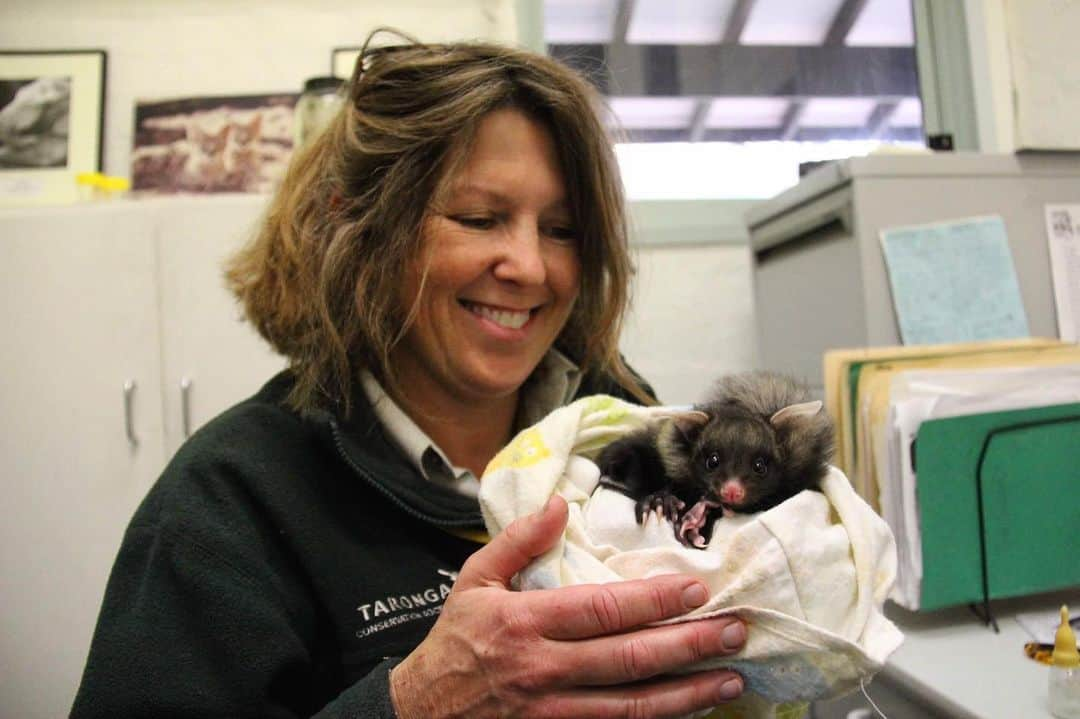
809 576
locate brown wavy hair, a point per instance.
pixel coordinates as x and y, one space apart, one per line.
320 278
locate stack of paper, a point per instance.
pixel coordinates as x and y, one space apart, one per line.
880 397
842 368
917 396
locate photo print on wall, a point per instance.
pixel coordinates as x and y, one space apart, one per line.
51 122
212 144
34 120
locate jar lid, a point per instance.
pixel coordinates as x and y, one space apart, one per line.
323 84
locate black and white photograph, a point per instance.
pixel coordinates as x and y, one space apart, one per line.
212 144
34 119
52 118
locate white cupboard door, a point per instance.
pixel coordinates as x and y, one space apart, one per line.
78 311
211 359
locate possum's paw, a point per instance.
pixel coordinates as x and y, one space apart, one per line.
664 503
688 528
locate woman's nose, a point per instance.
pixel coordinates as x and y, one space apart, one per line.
522 260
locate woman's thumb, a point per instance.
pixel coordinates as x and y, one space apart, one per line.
511 550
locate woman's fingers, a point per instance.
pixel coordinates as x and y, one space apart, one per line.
511 550
583 651
665 698
647 653
590 610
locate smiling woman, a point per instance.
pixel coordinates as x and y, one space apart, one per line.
493 289
443 266
349 219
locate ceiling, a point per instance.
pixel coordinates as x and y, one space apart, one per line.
746 70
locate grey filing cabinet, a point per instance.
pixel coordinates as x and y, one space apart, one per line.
818 272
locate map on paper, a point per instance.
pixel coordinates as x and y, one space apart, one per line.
954 282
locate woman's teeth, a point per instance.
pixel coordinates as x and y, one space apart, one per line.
503 318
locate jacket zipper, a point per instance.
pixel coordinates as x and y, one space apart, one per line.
400 503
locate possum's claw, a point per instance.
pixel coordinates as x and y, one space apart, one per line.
664 504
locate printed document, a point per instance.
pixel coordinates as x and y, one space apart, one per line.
1063 234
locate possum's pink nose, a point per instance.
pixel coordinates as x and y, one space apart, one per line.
732 491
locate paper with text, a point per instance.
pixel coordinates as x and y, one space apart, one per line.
954 282
1063 234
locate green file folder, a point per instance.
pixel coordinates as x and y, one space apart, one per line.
1029 505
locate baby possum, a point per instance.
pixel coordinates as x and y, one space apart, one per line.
753 443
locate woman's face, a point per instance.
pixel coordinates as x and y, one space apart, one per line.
503 269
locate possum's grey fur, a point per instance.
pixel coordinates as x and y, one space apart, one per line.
752 421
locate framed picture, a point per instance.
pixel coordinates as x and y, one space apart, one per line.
199 145
342 61
52 116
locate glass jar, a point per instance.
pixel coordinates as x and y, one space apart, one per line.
317 104
1065 692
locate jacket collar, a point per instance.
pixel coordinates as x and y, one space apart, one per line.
374 459
362 444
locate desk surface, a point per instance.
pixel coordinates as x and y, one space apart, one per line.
954 663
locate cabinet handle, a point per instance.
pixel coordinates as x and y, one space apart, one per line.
129 422
185 405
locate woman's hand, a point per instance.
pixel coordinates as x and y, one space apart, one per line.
575 652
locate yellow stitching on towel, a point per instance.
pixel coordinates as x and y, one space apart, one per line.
527 449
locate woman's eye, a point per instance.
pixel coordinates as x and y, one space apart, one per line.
561 233
712 461
760 466
475 222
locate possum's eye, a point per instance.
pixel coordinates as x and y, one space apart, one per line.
712 461
760 466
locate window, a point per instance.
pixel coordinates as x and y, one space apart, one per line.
726 98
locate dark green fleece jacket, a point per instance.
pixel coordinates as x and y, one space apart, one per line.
280 567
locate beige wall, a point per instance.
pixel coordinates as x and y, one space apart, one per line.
693 314
988 43
692 318
1025 73
161 49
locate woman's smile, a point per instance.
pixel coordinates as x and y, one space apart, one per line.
504 318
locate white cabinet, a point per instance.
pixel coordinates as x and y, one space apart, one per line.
205 347
92 299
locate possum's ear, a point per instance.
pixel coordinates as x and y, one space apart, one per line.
684 424
795 411
675 439
689 423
